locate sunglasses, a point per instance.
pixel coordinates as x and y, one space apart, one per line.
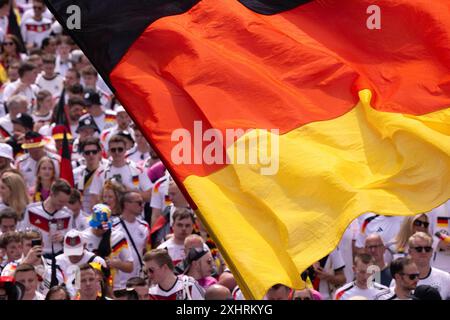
90 152
8 43
118 150
420 249
38 8
300 298
419 223
411 276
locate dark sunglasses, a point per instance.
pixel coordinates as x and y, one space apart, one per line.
419 223
118 150
420 249
38 8
411 276
89 152
8 43
300 298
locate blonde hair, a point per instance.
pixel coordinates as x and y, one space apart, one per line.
18 199
406 231
38 185
118 190
420 235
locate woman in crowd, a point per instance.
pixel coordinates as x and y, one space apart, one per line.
111 194
410 225
11 51
13 192
46 175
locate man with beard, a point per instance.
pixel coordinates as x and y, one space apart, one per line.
406 276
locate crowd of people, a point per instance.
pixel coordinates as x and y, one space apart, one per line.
124 230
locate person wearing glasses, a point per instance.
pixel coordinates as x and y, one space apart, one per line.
165 284
36 28
410 225
136 231
374 246
406 275
123 170
440 230
84 174
421 252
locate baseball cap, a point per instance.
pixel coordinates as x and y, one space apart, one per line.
87 122
425 292
91 97
25 120
6 151
73 243
101 217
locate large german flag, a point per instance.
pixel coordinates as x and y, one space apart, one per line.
362 114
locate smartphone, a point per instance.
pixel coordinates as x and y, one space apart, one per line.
36 242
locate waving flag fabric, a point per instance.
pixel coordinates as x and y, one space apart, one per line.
355 119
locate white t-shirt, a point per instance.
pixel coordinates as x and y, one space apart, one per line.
34 31
29 92
350 290
129 174
389 295
6 124
84 185
185 288
140 231
38 296
176 251
437 279
70 269
47 223
160 193
54 85
105 121
119 248
386 226
80 222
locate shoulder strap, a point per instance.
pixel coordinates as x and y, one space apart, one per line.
132 241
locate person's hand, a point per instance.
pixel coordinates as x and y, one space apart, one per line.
57 237
113 263
33 255
20 138
320 273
